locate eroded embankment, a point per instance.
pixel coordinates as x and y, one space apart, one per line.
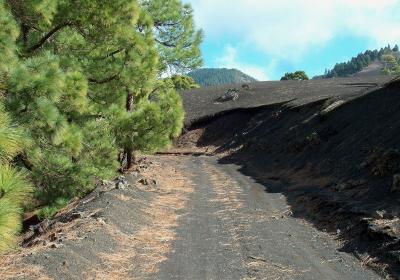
336 161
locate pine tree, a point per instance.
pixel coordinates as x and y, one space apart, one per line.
177 39
155 122
182 82
84 80
297 76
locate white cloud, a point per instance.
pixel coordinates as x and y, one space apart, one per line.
287 29
230 60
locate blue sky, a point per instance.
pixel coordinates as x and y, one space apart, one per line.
266 38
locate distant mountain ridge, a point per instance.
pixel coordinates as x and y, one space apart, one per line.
206 77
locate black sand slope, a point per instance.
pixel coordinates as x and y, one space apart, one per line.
201 103
336 160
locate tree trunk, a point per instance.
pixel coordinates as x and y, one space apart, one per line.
129 101
130 159
128 151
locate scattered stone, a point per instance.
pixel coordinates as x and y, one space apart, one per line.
143 181
53 237
76 215
229 95
246 86
101 221
55 245
148 182
121 186
121 183
396 183
381 214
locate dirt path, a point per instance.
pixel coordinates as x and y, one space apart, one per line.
232 229
202 221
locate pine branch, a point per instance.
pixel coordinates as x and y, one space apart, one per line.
44 39
104 81
111 54
165 44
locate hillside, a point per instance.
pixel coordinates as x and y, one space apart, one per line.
337 167
369 63
201 103
219 76
373 69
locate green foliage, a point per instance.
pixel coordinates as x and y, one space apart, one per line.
213 77
356 64
73 66
12 139
81 80
155 122
390 64
10 223
182 82
177 39
49 211
14 187
8 35
297 76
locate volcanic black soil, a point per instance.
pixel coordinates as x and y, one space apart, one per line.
335 159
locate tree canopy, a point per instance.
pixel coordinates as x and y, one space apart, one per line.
82 79
182 82
297 76
356 64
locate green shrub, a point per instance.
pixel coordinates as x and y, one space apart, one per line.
49 211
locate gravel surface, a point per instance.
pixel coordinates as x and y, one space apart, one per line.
233 229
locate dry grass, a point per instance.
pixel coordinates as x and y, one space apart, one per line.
151 244
12 267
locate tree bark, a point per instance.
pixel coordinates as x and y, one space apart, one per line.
130 159
129 151
129 101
